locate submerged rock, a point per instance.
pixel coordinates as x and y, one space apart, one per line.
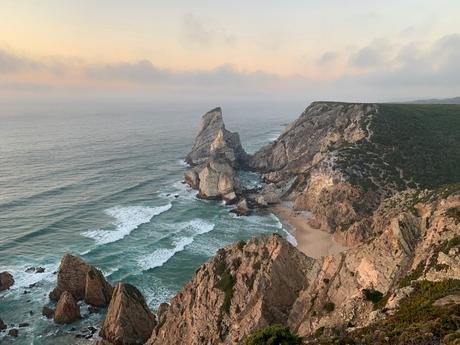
6 280
67 310
129 319
2 325
13 333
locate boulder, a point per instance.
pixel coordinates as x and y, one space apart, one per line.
67 310
48 312
13 333
2 325
242 208
6 280
83 281
162 309
97 291
129 319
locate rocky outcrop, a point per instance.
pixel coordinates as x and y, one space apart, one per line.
6 280
2 325
215 156
213 137
48 312
67 310
129 320
244 287
83 281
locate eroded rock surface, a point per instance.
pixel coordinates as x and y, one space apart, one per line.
6 280
82 280
129 319
215 156
67 310
244 287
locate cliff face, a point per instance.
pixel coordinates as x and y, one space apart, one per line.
244 287
215 155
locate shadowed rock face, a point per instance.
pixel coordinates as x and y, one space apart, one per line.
242 288
83 281
129 320
67 309
6 281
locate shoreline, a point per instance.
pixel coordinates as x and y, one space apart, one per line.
310 241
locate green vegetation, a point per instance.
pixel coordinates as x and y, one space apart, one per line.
236 262
372 295
226 283
319 332
454 212
448 245
417 321
329 307
273 335
422 140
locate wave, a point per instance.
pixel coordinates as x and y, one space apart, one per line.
127 219
160 256
23 279
289 237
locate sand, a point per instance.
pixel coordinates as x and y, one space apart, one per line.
312 242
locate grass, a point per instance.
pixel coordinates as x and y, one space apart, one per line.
226 283
273 335
417 320
329 307
422 140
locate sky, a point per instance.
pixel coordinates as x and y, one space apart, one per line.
350 50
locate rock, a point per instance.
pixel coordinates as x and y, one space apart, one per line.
67 310
192 179
6 280
2 325
97 291
212 136
128 320
23 324
93 309
48 312
39 270
30 270
234 293
162 309
13 332
82 280
242 208
448 300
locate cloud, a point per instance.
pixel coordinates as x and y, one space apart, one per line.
370 56
197 32
11 62
327 58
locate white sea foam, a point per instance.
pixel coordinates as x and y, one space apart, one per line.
160 256
127 219
183 163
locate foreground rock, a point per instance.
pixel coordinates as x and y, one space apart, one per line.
6 280
83 281
214 159
129 319
244 287
67 310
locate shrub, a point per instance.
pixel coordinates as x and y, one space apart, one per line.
329 307
273 335
372 295
225 284
319 332
236 262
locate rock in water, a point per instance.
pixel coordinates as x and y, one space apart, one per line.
6 280
129 319
2 325
97 291
67 309
83 281
48 312
244 287
214 158
213 136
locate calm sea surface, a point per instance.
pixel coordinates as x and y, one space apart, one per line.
105 182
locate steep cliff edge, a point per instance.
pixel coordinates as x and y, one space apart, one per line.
340 160
215 156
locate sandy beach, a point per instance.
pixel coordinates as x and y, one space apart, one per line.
312 242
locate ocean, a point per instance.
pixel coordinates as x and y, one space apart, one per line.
104 181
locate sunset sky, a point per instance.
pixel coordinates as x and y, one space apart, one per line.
336 49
